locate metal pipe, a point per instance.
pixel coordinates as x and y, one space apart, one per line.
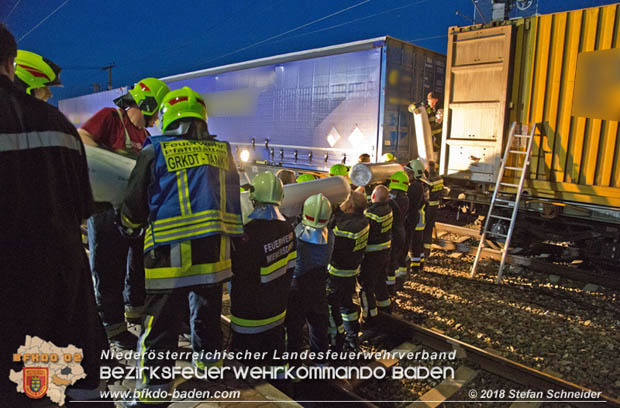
363 174
336 189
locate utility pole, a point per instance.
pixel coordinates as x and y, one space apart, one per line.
109 69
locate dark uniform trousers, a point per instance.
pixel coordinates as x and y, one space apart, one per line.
343 313
117 266
308 303
270 341
416 250
431 215
372 278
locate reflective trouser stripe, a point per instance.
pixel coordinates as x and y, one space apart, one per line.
378 247
374 312
351 317
141 346
428 246
249 326
401 271
384 303
344 273
391 280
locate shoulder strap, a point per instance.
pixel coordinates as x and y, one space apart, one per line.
128 144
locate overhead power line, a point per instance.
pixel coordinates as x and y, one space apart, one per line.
43 21
284 33
12 10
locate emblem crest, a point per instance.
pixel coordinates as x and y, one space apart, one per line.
36 380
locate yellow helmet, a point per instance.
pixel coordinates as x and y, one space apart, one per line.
32 71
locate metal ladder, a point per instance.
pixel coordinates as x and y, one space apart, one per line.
505 203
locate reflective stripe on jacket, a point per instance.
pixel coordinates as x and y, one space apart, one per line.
195 192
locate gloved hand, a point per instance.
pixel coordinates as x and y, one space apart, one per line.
125 230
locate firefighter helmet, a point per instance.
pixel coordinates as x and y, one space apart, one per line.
388 157
33 71
338 170
399 181
417 167
267 188
317 210
181 103
305 177
149 94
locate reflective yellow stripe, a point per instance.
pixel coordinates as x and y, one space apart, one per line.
350 317
378 247
433 203
384 303
278 268
182 220
127 222
376 218
184 271
374 312
254 323
352 235
147 331
391 278
196 230
342 272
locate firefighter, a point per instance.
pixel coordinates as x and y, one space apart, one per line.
416 218
435 118
350 229
399 184
45 283
263 264
287 176
116 262
373 291
307 300
339 169
35 74
435 192
302 178
190 208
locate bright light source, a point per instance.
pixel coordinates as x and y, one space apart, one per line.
244 155
356 137
333 137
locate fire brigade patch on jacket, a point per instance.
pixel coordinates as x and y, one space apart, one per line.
183 154
35 381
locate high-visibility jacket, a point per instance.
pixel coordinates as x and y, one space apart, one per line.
380 218
263 264
186 191
195 193
350 240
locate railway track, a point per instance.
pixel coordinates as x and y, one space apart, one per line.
468 244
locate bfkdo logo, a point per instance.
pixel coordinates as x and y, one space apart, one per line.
36 380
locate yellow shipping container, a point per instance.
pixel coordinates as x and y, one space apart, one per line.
549 69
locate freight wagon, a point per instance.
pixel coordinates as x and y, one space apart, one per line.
556 70
309 109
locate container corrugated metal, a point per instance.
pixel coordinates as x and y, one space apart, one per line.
575 158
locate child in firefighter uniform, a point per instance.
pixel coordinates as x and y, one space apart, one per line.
263 265
416 220
185 191
350 229
399 184
307 300
373 291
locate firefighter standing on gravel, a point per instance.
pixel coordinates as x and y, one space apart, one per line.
307 300
435 193
117 263
190 208
416 217
399 184
373 291
350 229
263 265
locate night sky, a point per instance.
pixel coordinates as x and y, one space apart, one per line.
160 38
